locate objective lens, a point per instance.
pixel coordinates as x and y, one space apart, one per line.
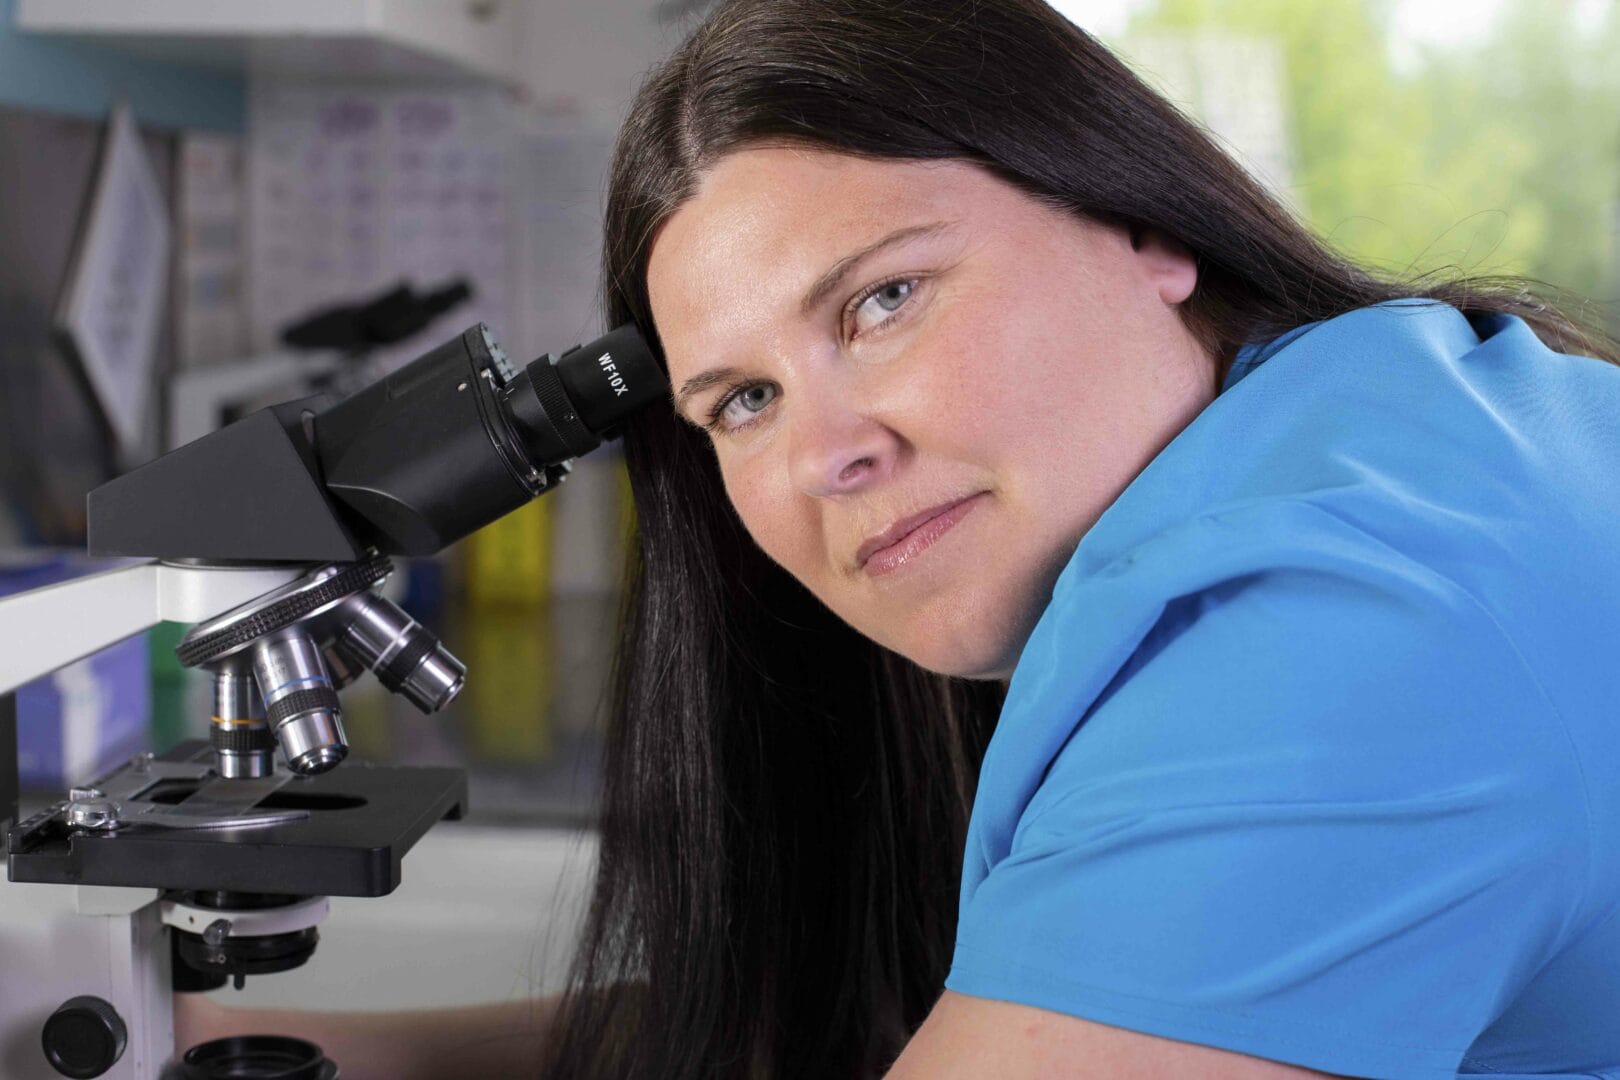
406 656
300 704
243 745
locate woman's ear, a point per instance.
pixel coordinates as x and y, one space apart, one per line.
1168 263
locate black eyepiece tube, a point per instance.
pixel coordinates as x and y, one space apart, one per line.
456 438
408 465
565 407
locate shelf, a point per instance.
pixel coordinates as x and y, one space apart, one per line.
394 40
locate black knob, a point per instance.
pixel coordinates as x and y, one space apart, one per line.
84 1037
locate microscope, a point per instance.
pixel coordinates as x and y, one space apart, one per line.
213 861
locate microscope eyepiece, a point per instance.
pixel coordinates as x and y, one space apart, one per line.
563 408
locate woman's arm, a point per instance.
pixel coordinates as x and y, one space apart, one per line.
968 1036
495 1041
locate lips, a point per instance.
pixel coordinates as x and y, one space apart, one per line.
911 535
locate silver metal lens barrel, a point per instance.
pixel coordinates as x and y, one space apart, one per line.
406 656
300 702
236 696
341 663
243 745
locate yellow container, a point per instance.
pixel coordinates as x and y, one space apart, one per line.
511 677
509 560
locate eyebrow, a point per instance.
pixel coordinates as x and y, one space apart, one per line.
813 298
829 281
699 383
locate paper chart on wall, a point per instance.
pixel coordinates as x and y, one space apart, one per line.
112 305
353 190
562 166
208 320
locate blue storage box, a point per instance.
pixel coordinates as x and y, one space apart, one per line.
78 722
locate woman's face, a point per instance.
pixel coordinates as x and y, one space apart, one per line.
922 385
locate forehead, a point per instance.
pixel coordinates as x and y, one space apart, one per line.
765 222
776 201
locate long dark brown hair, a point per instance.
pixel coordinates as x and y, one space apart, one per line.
785 802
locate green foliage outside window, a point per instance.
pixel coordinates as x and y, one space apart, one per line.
1499 156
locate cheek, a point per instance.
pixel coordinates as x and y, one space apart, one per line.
774 519
935 394
1001 385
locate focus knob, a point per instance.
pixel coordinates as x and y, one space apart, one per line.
84 1037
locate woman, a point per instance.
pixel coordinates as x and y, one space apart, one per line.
995 379
953 259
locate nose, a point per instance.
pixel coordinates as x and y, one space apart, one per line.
837 449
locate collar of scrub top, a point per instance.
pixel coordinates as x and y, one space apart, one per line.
1256 353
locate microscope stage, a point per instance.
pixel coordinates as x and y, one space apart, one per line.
357 822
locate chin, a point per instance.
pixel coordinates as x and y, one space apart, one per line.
983 630
985 671
963 656
962 629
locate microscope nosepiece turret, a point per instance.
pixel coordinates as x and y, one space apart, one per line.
272 686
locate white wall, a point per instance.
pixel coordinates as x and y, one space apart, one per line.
481 915
595 51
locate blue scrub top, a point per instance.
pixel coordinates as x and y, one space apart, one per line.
1315 754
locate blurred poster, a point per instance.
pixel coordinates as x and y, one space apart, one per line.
210 323
353 189
564 158
562 169
112 305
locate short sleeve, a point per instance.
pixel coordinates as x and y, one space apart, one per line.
1314 819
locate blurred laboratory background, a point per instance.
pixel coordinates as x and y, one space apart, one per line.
206 208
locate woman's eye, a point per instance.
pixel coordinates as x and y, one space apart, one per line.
877 308
740 407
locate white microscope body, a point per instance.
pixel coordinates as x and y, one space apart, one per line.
57 942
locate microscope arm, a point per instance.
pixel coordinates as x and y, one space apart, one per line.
45 629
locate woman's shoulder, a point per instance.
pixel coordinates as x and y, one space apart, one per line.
1330 677
1407 395
1375 547
1314 745
1461 448
1279 668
